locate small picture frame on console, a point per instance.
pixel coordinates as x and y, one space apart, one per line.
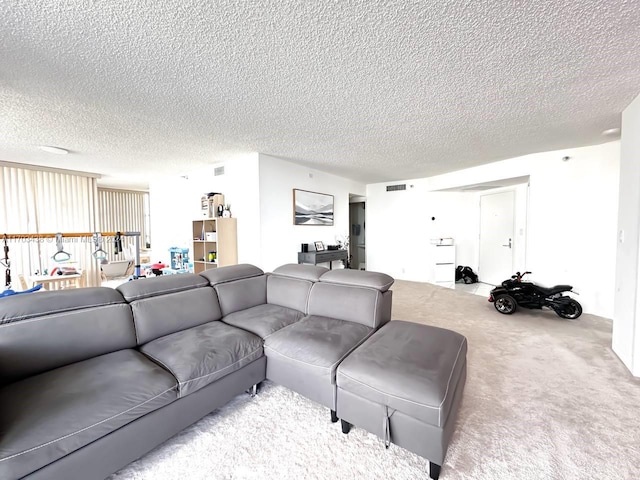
319 246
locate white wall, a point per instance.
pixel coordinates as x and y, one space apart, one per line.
280 238
240 185
175 203
260 191
571 225
399 227
170 216
626 323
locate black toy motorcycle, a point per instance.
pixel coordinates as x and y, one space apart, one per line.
514 292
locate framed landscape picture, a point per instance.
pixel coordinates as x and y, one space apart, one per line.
312 208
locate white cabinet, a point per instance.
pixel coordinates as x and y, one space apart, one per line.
442 259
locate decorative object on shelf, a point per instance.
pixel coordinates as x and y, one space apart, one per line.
319 246
226 213
312 208
342 241
206 204
211 203
304 247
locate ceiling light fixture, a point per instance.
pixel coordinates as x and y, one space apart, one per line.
54 150
610 132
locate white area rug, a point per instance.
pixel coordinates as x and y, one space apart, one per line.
545 398
278 434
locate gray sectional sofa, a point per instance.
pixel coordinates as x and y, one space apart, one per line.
91 379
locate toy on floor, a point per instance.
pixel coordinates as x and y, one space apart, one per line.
514 292
8 292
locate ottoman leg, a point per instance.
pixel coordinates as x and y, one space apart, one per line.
434 470
346 426
334 417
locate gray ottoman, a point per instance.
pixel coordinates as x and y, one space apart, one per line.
405 384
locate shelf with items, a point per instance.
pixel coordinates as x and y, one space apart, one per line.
214 243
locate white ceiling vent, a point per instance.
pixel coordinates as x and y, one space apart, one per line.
395 188
218 171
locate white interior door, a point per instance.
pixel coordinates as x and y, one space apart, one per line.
496 237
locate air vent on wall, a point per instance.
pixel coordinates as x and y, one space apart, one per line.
218 171
395 188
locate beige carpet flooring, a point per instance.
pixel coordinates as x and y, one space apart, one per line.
545 398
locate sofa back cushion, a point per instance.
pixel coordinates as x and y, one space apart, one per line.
46 330
364 305
230 273
360 278
288 292
242 294
169 304
301 271
163 285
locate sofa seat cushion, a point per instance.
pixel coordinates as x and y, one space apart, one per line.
408 367
263 320
50 415
317 343
201 355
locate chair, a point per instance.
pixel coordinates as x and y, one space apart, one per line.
23 282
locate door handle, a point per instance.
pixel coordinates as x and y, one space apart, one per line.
509 245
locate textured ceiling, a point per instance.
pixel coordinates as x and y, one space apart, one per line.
372 90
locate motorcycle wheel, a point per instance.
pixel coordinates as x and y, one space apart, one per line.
570 311
505 304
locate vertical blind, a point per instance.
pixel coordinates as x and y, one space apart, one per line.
122 211
36 201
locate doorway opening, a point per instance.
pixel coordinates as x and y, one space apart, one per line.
492 230
357 223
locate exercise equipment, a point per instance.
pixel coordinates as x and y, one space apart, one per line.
60 255
6 263
59 240
99 253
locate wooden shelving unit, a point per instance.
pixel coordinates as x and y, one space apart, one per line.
224 243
